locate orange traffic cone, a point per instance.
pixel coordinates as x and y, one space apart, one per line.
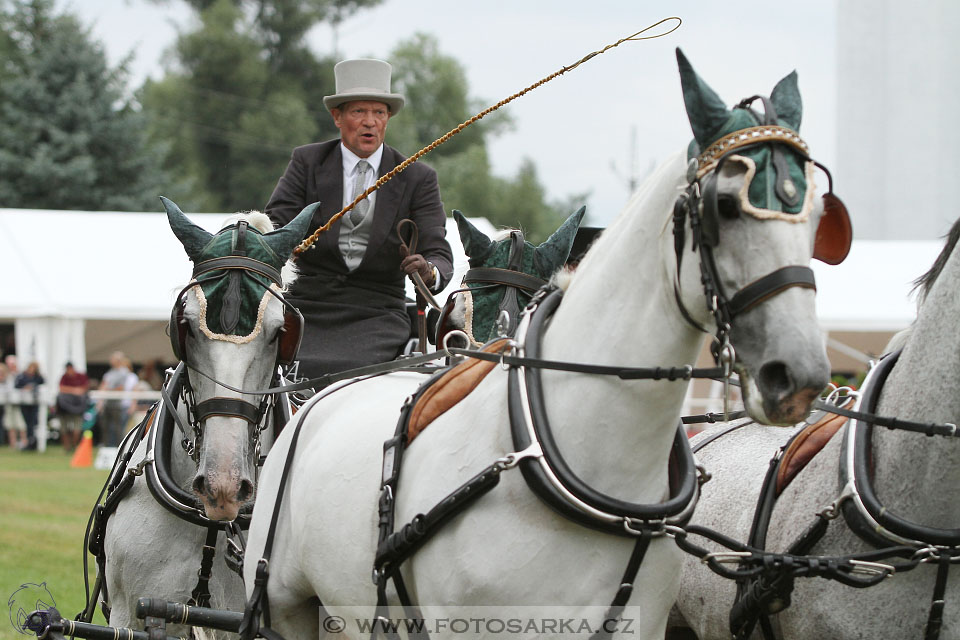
83 456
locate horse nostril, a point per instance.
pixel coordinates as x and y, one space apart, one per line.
245 492
200 485
774 379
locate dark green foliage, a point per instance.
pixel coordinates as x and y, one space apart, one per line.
68 138
230 122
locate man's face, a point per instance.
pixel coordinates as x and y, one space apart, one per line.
362 125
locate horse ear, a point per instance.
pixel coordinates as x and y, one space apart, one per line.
786 100
705 109
476 244
193 238
553 253
285 239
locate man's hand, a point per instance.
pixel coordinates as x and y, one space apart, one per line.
412 263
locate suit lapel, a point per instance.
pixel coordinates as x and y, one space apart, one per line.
388 203
330 194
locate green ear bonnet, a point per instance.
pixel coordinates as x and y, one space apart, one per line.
767 165
483 301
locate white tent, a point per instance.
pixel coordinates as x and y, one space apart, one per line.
79 284
862 302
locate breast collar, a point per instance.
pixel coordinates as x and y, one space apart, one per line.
546 471
859 504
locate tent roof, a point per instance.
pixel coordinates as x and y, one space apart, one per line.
120 265
107 264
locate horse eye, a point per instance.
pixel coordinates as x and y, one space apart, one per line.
728 207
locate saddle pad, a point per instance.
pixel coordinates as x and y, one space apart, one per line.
449 389
806 444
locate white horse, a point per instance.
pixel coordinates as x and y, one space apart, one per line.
912 476
233 330
509 548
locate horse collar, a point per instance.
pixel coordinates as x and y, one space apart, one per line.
859 504
547 473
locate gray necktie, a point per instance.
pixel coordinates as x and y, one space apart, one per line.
360 210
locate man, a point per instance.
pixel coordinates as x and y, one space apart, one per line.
71 404
113 412
350 287
12 415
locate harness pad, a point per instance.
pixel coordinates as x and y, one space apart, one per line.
807 444
449 389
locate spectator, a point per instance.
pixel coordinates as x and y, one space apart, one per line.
114 411
3 401
29 382
141 405
152 374
71 404
12 416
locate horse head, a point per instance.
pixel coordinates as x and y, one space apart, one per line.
754 218
231 328
504 273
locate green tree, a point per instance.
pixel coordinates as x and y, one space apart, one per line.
230 122
68 139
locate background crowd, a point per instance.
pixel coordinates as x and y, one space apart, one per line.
73 410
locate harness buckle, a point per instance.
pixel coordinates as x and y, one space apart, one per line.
511 460
503 324
951 429
726 557
636 527
872 568
138 469
509 349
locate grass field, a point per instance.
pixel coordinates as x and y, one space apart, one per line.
44 507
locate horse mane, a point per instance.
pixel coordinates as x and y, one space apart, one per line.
925 282
262 223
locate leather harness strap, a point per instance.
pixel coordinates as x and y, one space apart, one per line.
238 262
227 407
769 286
508 277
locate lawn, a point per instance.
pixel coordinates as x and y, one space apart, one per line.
44 507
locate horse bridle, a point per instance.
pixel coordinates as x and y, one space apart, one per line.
701 205
234 267
511 278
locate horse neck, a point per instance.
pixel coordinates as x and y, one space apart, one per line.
619 309
912 470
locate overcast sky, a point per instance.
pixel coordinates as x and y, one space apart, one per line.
580 129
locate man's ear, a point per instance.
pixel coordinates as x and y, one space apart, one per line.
335 112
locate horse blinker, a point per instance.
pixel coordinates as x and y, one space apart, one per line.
834 233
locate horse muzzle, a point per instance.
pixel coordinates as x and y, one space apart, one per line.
781 394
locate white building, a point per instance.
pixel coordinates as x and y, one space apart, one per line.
898 96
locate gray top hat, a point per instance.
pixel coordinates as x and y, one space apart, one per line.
363 79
